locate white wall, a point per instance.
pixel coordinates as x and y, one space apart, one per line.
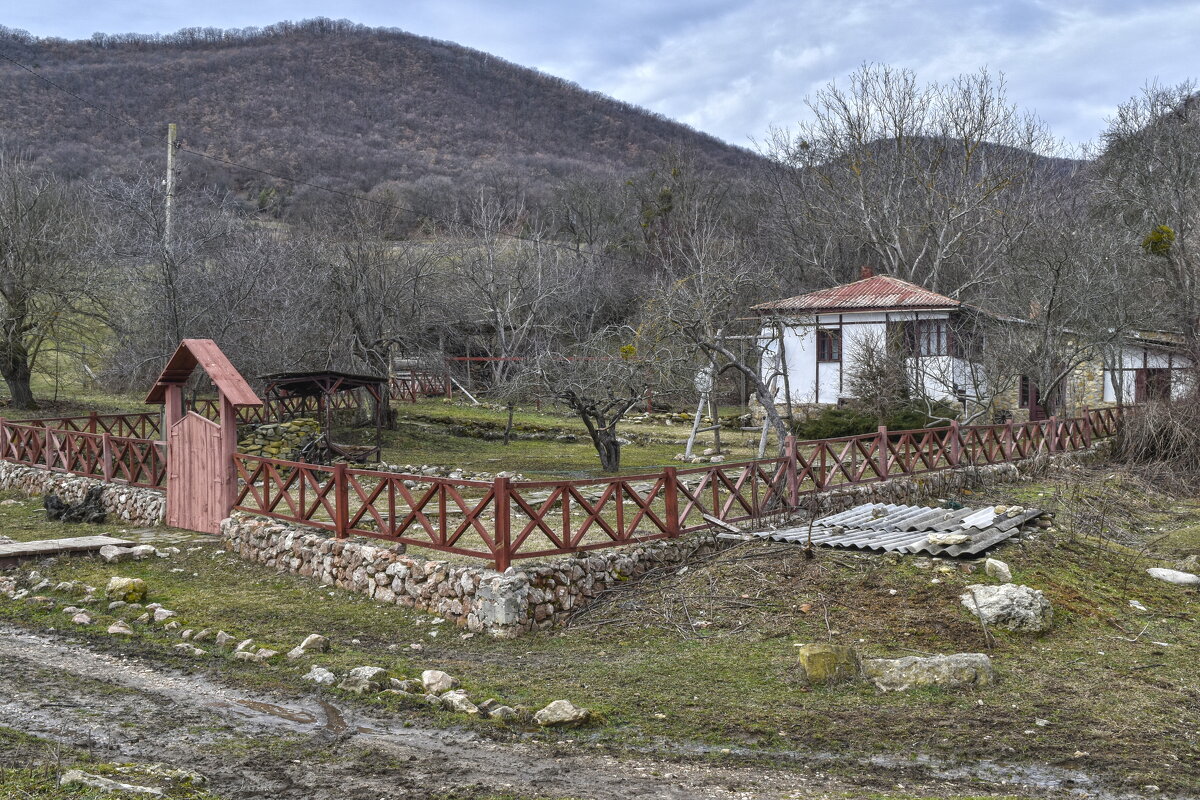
826 382
1131 358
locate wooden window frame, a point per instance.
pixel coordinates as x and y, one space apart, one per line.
829 345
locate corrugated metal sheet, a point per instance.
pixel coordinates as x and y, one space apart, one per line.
875 293
907 529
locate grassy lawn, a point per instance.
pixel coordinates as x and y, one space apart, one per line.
702 661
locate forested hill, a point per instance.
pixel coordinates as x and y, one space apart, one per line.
329 102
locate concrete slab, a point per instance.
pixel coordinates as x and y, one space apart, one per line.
41 548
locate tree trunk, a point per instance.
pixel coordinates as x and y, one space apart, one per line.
608 448
14 366
509 425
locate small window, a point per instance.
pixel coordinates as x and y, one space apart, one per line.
930 338
1023 393
829 344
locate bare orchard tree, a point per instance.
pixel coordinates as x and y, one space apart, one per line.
601 377
1147 183
50 287
510 283
376 294
930 182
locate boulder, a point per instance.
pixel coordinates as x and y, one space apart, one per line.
224 639
1174 576
995 568
114 555
458 702
828 664
142 551
130 590
958 671
314 643
561 713
1009 606
365 679
82 618
120 628
320 675
437 682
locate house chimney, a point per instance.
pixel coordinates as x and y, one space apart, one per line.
866 272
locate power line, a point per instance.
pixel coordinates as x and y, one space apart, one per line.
129 122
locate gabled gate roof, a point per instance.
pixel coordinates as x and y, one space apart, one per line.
205 354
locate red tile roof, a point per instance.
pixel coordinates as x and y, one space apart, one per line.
877 293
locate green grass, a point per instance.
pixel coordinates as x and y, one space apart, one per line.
1117 703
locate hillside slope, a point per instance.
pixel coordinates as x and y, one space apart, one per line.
329 102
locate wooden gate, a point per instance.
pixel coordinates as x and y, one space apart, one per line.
196 475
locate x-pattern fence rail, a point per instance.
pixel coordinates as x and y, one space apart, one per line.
503 520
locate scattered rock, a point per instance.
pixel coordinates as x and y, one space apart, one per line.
142 551
315 643
202 636
1174 576
190 649
458 702
1009 606
948 539
409 685
958 671
437 682
995 568
82 618
320 675
829 664
561 713
131 590
115 604
120 628
244 646
143 619
224 639
162 614
364 679
77 777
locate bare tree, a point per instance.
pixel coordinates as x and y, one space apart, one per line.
48 285
1147 184
921 180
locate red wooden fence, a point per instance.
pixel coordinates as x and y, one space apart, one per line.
505 520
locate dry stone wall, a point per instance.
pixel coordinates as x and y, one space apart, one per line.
279 439
131 504
531 596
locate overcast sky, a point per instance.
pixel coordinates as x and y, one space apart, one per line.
733 69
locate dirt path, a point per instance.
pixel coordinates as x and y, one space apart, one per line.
121 708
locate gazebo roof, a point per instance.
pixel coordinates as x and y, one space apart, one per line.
316 382
205 354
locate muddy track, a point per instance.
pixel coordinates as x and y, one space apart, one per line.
125 708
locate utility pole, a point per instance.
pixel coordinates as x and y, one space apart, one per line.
171 145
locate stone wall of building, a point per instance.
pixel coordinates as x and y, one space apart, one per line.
130 504
536 596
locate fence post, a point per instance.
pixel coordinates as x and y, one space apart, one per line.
881 449
671 500
503 544
956 449
793 477
341 502
106 460
1009 443
4 437
46 457
1087 427
1052 433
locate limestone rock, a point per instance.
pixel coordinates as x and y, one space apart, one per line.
561 713
131 590
142 551
111 554
458 702
957 671
82 618
320 675
224 639
995 568
437 682
1009 606
1174 576
77 777
315 643
364 679
162 614
829 664
120 628
948 539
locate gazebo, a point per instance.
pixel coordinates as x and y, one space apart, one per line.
292 393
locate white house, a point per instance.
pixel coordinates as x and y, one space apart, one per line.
813 342
815 339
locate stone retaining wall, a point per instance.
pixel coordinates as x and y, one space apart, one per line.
131 504
534 596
